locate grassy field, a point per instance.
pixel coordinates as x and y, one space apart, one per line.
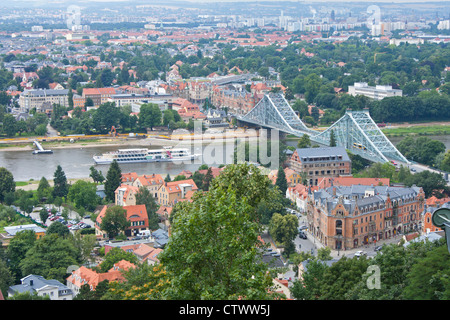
418 130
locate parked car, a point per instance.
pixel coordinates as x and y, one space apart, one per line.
378 248
360 253
302 235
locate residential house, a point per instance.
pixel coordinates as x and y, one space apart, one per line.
152 182
135 214
432 204
125 195
161 238
10 232
171 192
38 285
148 254
84 276
129 178
164 214
292 177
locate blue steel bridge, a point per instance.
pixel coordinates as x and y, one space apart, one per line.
355 131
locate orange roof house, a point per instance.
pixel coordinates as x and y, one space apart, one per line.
350 181
146 253
215 171
152 182
129 178
125 195
83 276
171 192
135 214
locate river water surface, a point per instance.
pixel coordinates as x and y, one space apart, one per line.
76 162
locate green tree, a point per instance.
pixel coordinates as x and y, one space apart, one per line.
96 175
429 277
332 139
50 257
113 180
150 115
304 142
44 191
115 221
281 181
206 183
309 286
144 196
284 228
9 125
59 229
60 188
115 255
17 249
222 223
84 195
7 183
6 278
341 277
312 87
144 282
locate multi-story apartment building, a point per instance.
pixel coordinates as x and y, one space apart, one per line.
378 92
236 101
35 98
345 217
98 95
319 163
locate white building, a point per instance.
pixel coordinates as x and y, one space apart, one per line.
38 285
444 25
378 92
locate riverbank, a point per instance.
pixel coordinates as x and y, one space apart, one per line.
422 129
156 141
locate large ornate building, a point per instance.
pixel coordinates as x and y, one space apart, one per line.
345 217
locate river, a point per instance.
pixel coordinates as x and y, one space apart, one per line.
76 162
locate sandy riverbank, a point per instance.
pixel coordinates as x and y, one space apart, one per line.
176 140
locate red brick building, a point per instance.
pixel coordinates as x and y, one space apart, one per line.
345 217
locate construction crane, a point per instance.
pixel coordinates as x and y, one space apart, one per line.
113 132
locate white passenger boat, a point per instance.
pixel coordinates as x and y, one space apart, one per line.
145 155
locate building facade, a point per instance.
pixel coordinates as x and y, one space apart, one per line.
35 98
346 217
378 92
320 163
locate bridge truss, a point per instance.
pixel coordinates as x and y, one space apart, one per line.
356 130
